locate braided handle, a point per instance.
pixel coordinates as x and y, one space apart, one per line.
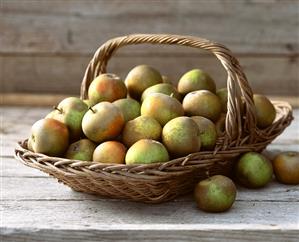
237 83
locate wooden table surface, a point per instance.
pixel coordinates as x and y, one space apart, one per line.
34 207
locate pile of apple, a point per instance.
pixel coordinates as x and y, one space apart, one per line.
146 119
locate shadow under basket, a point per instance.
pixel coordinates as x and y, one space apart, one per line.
159 182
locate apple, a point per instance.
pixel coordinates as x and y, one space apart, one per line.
253 170
286 167
104 121
106 87
49 137
81 150
215 194
70 111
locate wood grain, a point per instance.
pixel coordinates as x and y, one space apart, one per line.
47 44
103 214
63 75
175 233
266 27
35 100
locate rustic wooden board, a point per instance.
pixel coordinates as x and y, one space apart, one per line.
103 214
47 44
63 74
57 216
160 233
63 27
10 167
179 234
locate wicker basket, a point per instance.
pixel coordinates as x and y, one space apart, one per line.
155 183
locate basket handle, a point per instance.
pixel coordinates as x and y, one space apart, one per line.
237 83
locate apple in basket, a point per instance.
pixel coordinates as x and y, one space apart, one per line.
81 150
202 103
49 137
110 152
106 87
161 107
140 78
222 94
265 111
70 111
146 151
143 127
129 107
181 136
195 80
109 120
165 88
104 121
207 132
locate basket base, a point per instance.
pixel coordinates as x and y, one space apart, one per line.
152 192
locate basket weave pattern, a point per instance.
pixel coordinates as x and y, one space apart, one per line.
155 183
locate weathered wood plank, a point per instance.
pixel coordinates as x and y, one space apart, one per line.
10 167
117 7
159 233
63 74
61 27
103 215
49 100
13 115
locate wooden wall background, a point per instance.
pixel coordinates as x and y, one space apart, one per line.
46 45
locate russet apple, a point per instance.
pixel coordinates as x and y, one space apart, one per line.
102 122
49 137
70 111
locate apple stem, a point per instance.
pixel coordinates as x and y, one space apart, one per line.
92 110
58 109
